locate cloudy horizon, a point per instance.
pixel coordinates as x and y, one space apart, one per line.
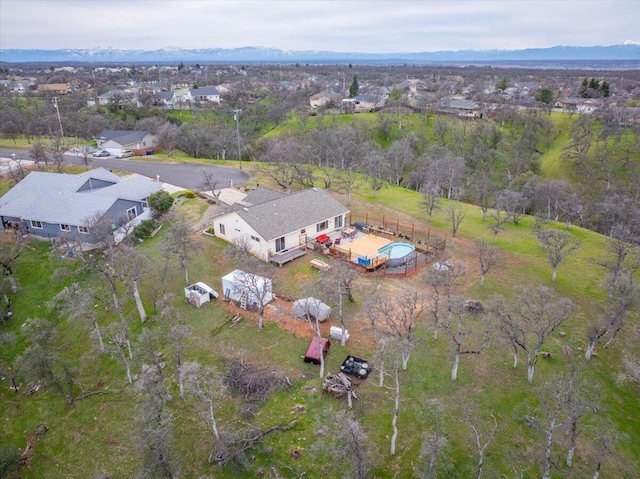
339 26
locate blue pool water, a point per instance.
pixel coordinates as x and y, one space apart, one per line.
398 253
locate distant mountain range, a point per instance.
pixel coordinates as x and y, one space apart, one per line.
626 52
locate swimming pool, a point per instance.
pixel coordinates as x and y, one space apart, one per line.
398 253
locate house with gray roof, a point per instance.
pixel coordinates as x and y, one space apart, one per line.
53 205
463 108
203 94
276 228
137 141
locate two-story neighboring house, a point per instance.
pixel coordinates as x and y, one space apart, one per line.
52 205
275 226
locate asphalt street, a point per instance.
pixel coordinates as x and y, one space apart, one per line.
184 175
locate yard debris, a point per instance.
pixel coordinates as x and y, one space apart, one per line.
30 450
339 385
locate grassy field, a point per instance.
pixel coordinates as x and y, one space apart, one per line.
104 427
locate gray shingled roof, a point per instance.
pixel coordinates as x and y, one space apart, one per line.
124 137
262 195
274 219
463 104
205 91
54 197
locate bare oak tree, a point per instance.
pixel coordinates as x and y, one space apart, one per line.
558 245
530 319
487 256
456 215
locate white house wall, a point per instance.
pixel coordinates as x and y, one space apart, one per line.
237 229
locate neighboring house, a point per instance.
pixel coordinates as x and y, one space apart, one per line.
579 105
463 108
321 99
275 228
55 88
137 141
366 102
164 98
121 96
208 94
52 205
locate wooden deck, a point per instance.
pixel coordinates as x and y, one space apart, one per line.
283 257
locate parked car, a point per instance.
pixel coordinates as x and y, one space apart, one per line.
124 154
101 154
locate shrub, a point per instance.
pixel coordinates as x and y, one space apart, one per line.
144 229
9 460
189 194
160 202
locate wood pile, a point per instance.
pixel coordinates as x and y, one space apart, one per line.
339 385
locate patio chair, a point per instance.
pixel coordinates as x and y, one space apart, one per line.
337 241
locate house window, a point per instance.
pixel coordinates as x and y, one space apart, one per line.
221 228
145 203
279 244
131 213
36 224
83 230
65 228
255 238
303 232
322 226
338 221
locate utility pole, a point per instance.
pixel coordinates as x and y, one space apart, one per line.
236 117
55 103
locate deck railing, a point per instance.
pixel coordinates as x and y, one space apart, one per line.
282 257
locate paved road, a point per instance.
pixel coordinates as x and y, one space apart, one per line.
185 175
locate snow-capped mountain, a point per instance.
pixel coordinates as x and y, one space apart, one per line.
630 51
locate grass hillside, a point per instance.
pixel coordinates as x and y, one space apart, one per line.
100 434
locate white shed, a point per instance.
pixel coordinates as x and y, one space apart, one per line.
312 307
236 283
199 293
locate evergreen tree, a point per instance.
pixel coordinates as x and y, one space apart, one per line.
545 95
585 82
604 87
353 89
503 84
594 83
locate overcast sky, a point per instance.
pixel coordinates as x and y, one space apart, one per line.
341 26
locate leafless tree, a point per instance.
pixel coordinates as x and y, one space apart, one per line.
58 146
488 257
206 384
552 399
85 154
12 245
79 303
611 318
469 332
558 245
530 319
444 284
209 184
623 258
117 343
347 441
347 181
456 215
606 442
434 441
376 170
500 219
131 264
338 283
180 242
479 429
258 287
168 136
41 360
38 154
397 318
430 199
